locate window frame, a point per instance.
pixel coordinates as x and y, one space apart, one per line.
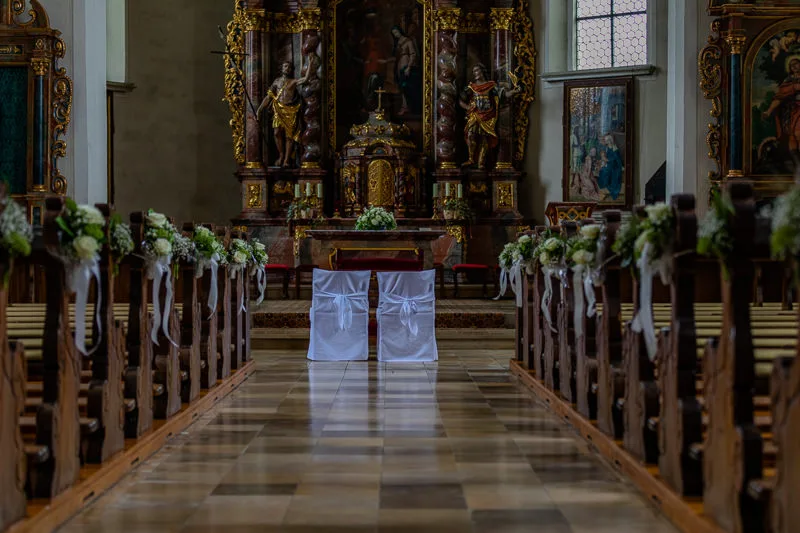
573 36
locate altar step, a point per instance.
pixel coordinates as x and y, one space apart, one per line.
449 339
450 314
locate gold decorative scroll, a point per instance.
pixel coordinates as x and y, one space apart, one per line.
525 54
710 70
501 18
61 116
305 19
427 75
254 197
254 20
234 91
505 195
447 19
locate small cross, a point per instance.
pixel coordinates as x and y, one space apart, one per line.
380 92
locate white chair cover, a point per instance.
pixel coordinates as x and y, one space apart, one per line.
339 316
407 316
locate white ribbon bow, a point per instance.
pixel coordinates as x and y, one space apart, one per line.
344 309
261 282
159 270
547 296
643 321
80 277
408 309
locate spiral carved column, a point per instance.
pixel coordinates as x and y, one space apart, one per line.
311 92
447 21
254 85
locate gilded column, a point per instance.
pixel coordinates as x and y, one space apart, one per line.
736 41
254 26
40 130
311 90
446 21
500 20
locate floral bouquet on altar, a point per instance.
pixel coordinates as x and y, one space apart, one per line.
376 219
81 237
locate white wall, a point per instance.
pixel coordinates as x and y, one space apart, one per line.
117 39
83 27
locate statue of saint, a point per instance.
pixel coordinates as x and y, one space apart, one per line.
284 103
481 100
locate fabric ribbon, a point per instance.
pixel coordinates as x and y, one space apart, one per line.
80 278
234 271
547 296
578 276
213 290
588 289
516 281
643 321
408 308
261 282
160 271
344 309
503 283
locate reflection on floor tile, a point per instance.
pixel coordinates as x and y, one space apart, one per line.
448 447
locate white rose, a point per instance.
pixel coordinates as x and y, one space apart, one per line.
525 238
162 247
592 231
85 247
259 246
156 220
92 215
552 244
544 258
583 257
239 257
657 212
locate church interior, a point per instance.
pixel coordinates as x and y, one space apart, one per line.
421 265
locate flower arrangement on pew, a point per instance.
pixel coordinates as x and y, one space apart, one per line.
16 235
652 251
376 219
785 240
159 237
551 254
121 240
714 235
239 257
209 254
625 243
258 270
81 237
515 257
583 255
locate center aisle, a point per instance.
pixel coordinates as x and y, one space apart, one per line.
448 447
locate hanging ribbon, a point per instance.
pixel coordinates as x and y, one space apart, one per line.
516 281
160 271
261 283
80 277
344 309
588 289
547 296
578 273
503 283
213 290
643 321
234 271
408 308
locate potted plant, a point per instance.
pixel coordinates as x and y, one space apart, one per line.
298 209
457 209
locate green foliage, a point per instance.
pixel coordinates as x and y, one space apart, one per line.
714 234
624 244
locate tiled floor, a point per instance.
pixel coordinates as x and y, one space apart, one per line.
448 447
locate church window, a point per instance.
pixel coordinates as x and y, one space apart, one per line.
610 33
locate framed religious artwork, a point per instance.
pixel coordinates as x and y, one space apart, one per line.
598 142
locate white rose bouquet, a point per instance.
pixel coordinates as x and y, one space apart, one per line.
376 218
120 240
582 257
159 239
551 254
785 239
210 253
239 257
16 235
260 258
81 237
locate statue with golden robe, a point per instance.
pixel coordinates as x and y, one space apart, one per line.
283 101
481 100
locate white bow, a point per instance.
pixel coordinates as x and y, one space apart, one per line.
80 277
643 321
159 270
261 282
344 309
408 309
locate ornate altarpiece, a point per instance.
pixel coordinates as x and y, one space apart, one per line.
35 104
421 54
750 72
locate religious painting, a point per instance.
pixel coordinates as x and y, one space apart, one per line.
772 117
379 45
598 142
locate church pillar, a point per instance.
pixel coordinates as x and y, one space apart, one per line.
500 20
736 41
447 20
311 91
89 118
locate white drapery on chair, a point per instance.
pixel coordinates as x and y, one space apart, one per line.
339 316
407 316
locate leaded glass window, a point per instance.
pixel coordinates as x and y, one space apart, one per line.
610 33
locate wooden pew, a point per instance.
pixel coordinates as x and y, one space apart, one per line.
237 316
190 326
586 353
535 361
550 334
566 329
208 332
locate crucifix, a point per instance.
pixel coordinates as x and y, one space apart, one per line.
234 57
380 92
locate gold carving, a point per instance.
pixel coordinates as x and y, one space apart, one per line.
525 55
523 229
457 233
40 65
427 76
447 165
447 19
254 165
303 20
299 235
736 41
18 8
380 183
310 164
710 69
39 188
10 49
286 188
505 196
234 92
254 20
254 198
474 23
61 117
240 229
477 188
501 18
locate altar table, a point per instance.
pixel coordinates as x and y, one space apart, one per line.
366 244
